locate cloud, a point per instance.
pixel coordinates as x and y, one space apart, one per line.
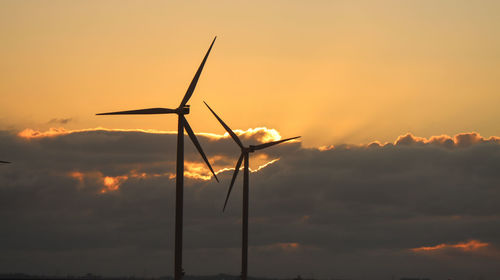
60 121
468 246
260 134
75 200
29 133
460 140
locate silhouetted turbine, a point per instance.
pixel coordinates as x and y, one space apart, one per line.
182 110
1 161
244 155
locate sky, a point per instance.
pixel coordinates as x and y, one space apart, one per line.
395 173
332 71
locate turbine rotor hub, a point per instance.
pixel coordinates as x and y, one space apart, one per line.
184 110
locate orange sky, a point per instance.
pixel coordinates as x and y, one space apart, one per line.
331 71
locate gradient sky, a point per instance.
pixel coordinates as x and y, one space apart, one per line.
331 71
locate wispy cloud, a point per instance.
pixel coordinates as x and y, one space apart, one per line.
60 121
470 245
261 134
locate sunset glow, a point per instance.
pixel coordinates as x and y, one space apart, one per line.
366 134
109 183
193 170
471 245
77 175
262 134
264 165
458 140
29 133
287 247
113 183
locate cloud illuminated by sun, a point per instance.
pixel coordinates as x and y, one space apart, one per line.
29 133
113 183
193 170
326 148
262 134
460 140
471 245
109 183
77 175
280 246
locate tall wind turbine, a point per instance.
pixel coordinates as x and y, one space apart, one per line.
182 110
245 151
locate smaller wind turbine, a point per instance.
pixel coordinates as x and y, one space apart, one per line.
245 151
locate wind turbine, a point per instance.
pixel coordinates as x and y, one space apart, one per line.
182 110
245 151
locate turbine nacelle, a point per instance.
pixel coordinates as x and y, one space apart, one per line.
249 149
182 110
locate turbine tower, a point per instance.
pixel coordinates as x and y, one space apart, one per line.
182 110
245 151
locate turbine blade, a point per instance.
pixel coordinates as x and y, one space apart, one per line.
233 135
235 173
192 86
269 144
149 111
198 146
1 161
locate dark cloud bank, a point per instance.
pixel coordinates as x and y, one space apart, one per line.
346 212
